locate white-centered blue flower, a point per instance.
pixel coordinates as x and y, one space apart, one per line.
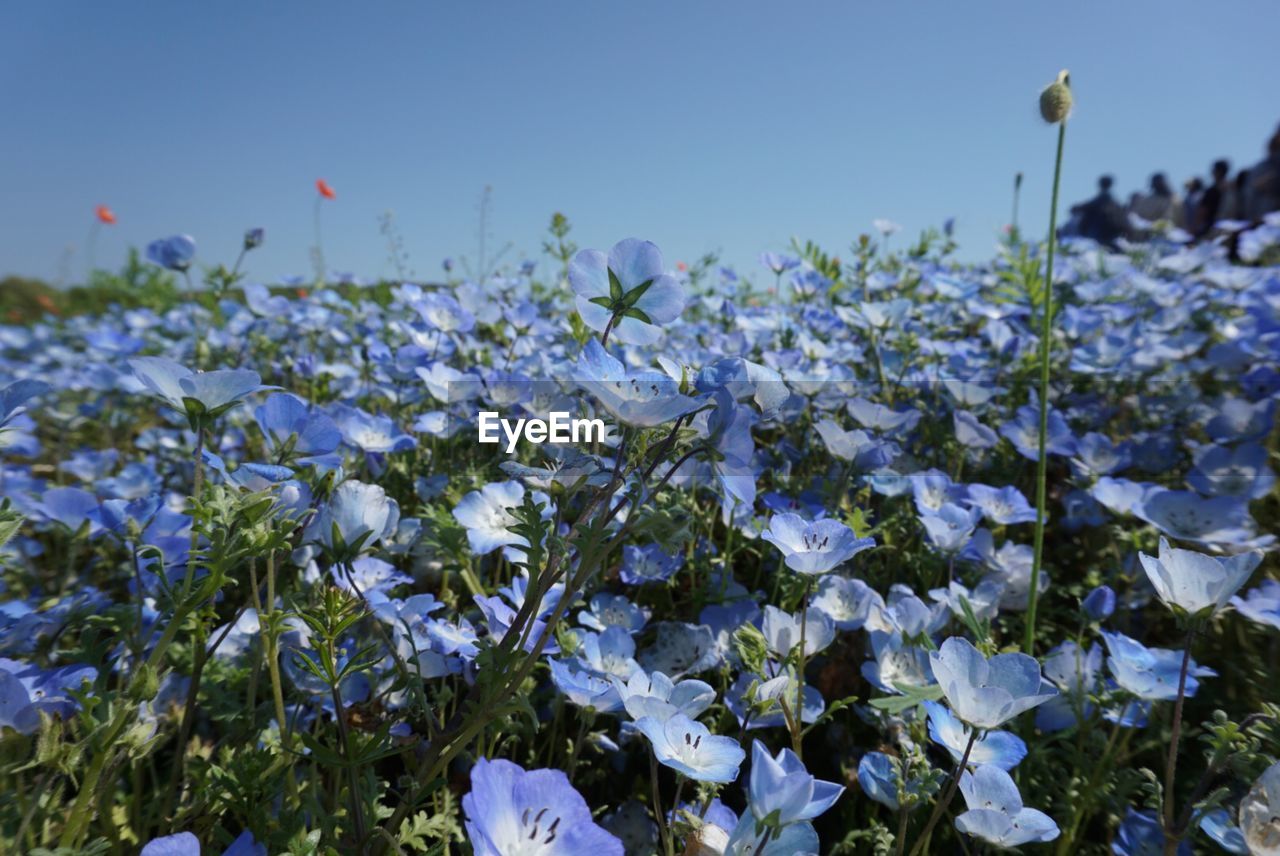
626 292
1194 582
200 395
640 398
654 695
987 693
813 548
689 748
1002 749
996 813
516 812
782 791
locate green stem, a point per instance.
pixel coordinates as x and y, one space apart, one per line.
663 831
941 805
797 737
1171 760
1046 331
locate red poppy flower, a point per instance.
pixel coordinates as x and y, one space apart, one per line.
325 190
105 215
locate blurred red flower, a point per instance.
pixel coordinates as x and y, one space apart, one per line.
325 190
105 215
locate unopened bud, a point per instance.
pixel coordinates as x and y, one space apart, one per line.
145 684
1055 99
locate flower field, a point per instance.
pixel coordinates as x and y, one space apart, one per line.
861 560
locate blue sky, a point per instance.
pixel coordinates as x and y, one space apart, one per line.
699 125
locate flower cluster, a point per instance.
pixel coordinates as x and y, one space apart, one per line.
263 591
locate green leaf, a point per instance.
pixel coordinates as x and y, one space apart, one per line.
911 696
10 523
633 296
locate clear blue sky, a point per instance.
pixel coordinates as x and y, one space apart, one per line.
699 125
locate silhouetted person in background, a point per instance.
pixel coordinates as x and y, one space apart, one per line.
1215 199
1191 204
1239 209
1102 218
1071 228
1159 203
1263 194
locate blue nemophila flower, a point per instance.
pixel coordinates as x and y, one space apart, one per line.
1023 431
848 602
14 397
1221 521
1141 833
1261 604
186 844
516 812
643 398
986 692
655 695
1195 583
486 513
292 429
627 292
356 517
758 704
1096 455
444 313
1235 419
1220 827
881 418
971 433
174 252
611 653
71 507
370 578
646 564
1001 749
27 691
499 616
1150 674
1099 603
782 631
864 451
583 687
950 527
1003 506
880 777
1239 471
781 790
729 429
751 839
370 433
202 396
779 263
689 748
996 813
179 844
813 548
613 610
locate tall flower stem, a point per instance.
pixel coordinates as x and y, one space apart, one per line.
797 739
1171 759
941 805
1046 332
663 831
